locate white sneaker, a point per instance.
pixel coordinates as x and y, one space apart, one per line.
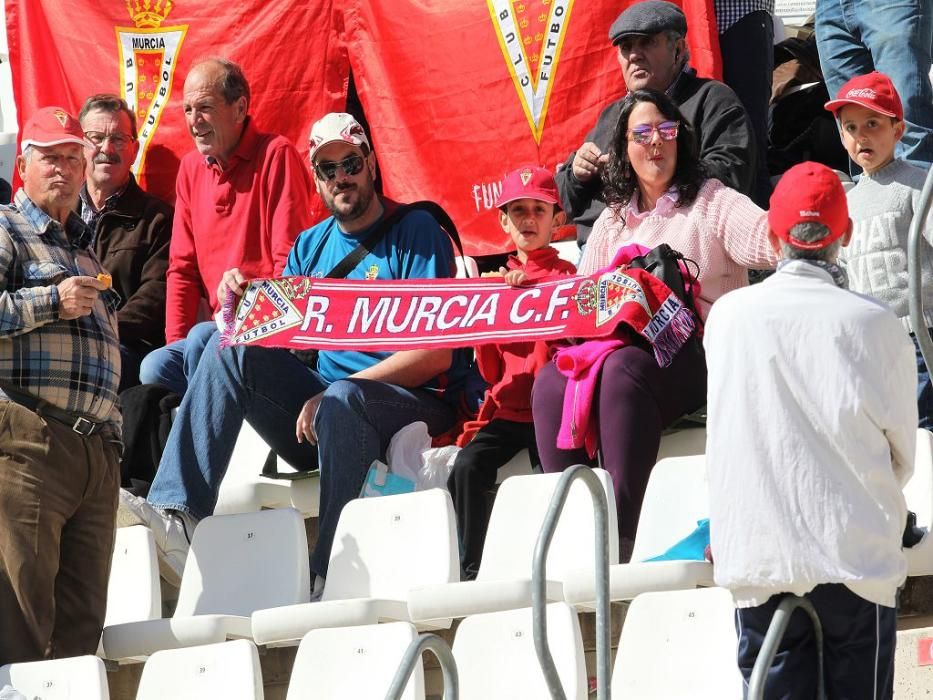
167 528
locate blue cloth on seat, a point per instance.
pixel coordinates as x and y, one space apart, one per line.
690 548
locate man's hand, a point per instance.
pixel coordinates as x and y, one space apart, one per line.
304 426
233 281
588 161
76 296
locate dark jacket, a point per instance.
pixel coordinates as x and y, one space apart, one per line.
132 242
727 145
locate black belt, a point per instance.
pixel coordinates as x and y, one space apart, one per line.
84 427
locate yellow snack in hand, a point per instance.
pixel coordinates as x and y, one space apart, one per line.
105 278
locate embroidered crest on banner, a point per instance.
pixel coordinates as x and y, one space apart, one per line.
612 291
148 55
531 34
266 309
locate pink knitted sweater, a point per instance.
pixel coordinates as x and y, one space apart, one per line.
722 231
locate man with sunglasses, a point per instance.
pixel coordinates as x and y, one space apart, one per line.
339 416
131 229
653 53
242 197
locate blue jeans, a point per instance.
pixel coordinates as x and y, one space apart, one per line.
173 366
355 421
895 37
924 389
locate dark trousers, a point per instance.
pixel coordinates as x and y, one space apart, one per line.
858 647
635 401
58 504
747 67
474 474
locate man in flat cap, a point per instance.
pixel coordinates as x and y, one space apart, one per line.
652 53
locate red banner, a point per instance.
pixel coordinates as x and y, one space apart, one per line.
456 94
310 312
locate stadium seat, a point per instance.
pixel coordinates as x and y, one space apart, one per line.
678 644
75 678
466 267
383 548
237 564
354 662
676 498
245 490
504 578
133 589
918 492
228 670
496 658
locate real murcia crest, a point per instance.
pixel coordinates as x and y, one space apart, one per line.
148 56
531 34
265 310
613 289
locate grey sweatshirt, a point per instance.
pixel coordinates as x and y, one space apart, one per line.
882 206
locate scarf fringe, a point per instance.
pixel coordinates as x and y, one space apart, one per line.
228 313
672 338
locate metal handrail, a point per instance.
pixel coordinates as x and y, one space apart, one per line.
769 647
539 580
413 653
915 274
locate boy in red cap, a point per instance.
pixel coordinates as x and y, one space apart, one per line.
529 212
810 440
882 206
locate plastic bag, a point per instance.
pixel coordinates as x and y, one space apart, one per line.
438 463
406 448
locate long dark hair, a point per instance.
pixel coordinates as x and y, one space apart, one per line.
620 182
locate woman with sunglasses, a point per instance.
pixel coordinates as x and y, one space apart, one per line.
656 192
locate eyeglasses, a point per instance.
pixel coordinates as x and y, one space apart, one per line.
327 170
642 134
118 141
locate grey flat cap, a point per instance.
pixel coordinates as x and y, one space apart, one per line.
648 17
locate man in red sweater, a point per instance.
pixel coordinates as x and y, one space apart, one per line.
243 196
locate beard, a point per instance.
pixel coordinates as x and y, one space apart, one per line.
355 209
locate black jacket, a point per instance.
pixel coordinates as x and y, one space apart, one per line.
727 145
132 242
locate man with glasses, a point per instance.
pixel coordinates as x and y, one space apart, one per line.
131 229
242 197
652 53
339 416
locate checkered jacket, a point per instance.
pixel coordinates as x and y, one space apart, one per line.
728 12
74 365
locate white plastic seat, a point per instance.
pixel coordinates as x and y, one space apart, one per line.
504 578
354 662
244 489
918 492
229 670
237 564
75 678
677 497
678 644
466 267
383 547
496 658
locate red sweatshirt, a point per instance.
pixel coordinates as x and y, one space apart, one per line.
246 215
510 368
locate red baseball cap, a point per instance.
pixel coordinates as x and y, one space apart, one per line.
874 91
809 192
530 181
51 126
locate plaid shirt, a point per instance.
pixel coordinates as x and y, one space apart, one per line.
74 365
728 12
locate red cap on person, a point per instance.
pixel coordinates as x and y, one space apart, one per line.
532 182
51 126
874 91
809 192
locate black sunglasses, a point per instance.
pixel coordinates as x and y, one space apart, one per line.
327 170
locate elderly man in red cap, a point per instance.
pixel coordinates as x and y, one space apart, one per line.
811 432
60 440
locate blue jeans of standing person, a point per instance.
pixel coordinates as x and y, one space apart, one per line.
924 389
173 366
354 423
894 37
858 646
